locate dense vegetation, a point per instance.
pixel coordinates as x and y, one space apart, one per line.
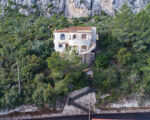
27 55
122 68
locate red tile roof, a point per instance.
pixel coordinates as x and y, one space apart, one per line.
75 29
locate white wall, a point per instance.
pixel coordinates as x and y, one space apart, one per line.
71 42
63 48
79 41
57 37
94 33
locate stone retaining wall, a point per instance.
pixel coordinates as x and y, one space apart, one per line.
87 101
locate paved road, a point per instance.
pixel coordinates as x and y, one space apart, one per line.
127 116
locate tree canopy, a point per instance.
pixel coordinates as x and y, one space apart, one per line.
121 68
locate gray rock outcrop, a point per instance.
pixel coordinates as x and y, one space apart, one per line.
72 8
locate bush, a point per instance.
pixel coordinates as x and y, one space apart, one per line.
105 79
50 5
101 61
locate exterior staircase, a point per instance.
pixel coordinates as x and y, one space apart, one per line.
71 101
81 101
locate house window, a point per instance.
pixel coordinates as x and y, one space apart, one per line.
74 36
84 47
62 36
60 45
53 36
83 36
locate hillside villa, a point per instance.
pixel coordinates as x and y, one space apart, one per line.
79 38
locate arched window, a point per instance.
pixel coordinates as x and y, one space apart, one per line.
74 36
84 47
83 36
62 36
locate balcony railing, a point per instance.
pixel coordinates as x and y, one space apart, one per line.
79 41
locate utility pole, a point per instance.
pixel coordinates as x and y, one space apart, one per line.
90 111
90 108
19 85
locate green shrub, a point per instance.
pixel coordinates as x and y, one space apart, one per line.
101 61
50 5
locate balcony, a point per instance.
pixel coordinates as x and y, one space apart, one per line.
79 42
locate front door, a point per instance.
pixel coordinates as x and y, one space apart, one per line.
66 46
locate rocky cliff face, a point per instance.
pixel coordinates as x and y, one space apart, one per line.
72 8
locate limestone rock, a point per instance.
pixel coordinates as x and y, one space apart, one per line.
21 109
72 8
